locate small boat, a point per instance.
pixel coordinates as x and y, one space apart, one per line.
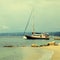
35 35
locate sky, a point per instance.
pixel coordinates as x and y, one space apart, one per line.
14 15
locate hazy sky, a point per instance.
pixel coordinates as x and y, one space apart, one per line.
14 15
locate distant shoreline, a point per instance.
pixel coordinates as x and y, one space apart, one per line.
22 33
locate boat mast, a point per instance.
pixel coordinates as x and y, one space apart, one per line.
28 21
33 29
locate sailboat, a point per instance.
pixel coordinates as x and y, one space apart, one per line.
38 36
35 35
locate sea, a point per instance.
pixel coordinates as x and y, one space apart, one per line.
18 53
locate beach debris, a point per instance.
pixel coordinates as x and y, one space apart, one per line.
41 45
34 45
8 46
52 43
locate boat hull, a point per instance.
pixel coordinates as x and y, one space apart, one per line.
31 37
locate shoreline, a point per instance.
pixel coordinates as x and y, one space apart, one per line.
35 53
25 53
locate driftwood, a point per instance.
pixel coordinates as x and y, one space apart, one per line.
8 46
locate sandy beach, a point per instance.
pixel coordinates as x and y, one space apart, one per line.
56 50
30 53
36 55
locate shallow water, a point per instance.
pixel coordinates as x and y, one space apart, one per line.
19 41
18 53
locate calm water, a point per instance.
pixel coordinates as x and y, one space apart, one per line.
17 53
19 41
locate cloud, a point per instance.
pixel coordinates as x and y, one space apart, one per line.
3 27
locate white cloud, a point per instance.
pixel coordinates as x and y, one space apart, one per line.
3 27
